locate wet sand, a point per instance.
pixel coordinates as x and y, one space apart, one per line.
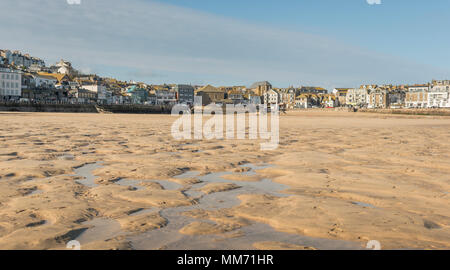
112 181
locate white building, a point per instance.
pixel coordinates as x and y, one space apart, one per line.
10 84
165 97
102 94
357 97
94 87
64 67
330 101
417 96
271 97
20 59
42 81
439 96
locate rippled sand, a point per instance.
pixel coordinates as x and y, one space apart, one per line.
341 179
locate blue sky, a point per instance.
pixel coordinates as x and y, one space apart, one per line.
331 43
393 27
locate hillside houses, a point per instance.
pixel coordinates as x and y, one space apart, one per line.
27 78
18 59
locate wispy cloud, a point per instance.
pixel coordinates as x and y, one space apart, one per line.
183 45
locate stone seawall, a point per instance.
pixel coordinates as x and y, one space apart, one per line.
29 107
438 112
83 108
337 109
137 109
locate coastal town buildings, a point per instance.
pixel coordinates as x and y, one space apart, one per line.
439 94
103 95
185 93
341 95
272 97
236 95
166 97
210 94
306 100
42 81
357 97
417 96
328 100
137 95
259 88
377 99
10 84
312 90
82 96
397 98
252 98
94 87
19 59
26 78
62 79
64 67
287 97
151 100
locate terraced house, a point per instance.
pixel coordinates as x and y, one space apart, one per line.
210 94
357 97
341 95
328 101
272 97
417 96
185 93
10 84
378 99
396 98
305 101
439 95
287 97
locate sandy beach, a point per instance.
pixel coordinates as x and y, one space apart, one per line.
112 181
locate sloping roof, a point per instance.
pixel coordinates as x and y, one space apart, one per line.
45 77
235 92
313 88
257 84
273 91
209 89
343 89
59 77
327 96
417 85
